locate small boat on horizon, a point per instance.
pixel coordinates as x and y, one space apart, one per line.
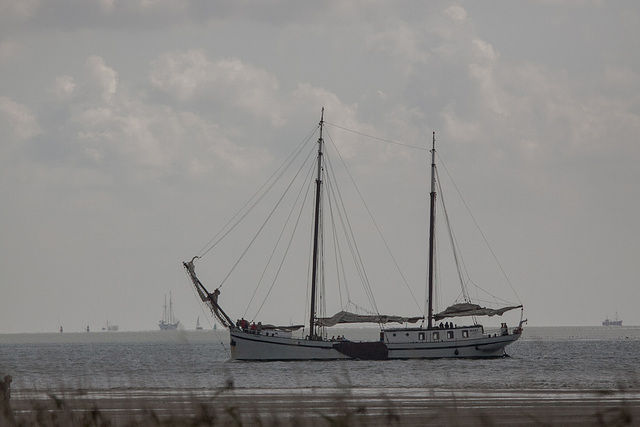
168 322
110 327
612 322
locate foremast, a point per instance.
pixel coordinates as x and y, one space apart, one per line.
432 223
316 235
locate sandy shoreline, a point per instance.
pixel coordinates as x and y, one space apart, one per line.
319 407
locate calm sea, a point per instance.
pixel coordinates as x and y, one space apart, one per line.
544 360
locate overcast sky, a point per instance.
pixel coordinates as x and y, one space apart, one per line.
131 131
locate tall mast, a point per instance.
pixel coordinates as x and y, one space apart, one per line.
170 308
164 309
432 223
316 233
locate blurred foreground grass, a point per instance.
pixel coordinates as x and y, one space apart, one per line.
227 408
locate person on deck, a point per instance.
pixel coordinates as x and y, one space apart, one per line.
504 330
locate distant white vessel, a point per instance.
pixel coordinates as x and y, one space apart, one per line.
168 322
198 327
614 322
111 328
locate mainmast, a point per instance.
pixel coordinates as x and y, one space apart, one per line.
432 221
316 234
170 308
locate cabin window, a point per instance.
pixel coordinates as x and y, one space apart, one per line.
394 334
450 335
421 336
436 336
465 334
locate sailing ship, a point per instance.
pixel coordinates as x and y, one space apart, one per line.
198 327
612 322
418 337
168 322
111 327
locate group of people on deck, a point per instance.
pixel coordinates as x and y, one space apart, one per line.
249 327
504 329
447 325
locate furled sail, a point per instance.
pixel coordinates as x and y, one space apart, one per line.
347 317
468 309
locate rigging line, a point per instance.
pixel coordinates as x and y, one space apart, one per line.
376 226
333 198
457 256
310 249
437 279
316 246
480 230
307 300
269 183
321 306
350 238
464 277
378 138
321 301
272 182
352 242
338 258
341 259
360 310
308 187
265 221
495 298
